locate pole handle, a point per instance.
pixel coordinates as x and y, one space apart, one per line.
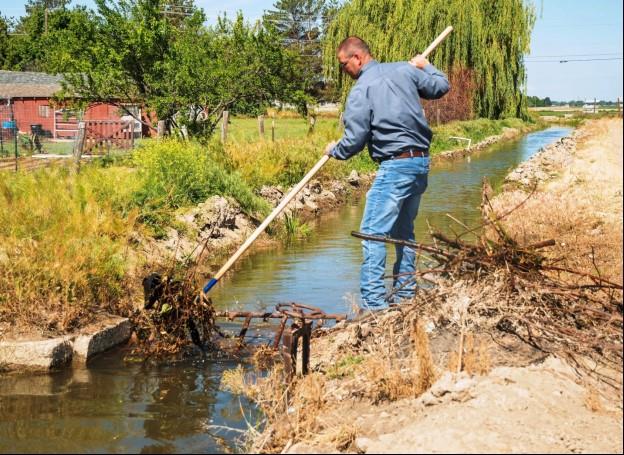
437 41
276 211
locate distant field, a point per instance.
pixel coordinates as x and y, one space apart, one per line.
247 130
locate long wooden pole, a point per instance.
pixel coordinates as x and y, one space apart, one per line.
277 210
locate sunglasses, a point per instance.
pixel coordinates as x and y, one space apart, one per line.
341 65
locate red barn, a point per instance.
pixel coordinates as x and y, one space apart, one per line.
26 98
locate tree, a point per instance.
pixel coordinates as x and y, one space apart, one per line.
186 73
4 39
38 37
301 24
489 38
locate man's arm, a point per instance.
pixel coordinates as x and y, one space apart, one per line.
431 82
357 127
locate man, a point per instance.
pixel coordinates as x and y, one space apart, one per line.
383 111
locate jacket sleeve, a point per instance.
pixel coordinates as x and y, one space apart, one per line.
357 120
431 82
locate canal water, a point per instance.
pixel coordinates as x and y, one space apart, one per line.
113 406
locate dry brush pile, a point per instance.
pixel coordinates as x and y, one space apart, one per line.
521 289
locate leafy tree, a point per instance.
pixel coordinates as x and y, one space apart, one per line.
489 38
4 39
46 28
301 24
176 67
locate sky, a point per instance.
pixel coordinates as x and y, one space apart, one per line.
572 30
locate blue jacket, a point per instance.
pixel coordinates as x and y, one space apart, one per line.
383 109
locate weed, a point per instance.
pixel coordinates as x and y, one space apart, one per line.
294 228
345 366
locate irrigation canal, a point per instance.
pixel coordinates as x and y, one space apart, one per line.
114 406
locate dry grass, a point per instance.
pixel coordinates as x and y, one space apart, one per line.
581 208
476 358
586 240
63 248
296 412
290 409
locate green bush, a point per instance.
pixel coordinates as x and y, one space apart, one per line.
176 174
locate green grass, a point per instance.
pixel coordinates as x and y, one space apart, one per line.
246 129
57 147
344 367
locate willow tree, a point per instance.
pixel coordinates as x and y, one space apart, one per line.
489 40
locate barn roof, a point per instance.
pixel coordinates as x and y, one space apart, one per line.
26 84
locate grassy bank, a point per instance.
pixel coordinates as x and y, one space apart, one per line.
68 240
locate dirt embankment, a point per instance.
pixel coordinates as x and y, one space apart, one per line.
218 225
390 383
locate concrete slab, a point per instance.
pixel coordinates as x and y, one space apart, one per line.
116 331
45 354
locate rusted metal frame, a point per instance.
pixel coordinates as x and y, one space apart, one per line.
305 316
289 341
244 314
305 334
290 347
279 332
244 329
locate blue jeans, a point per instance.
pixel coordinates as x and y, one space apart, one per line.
391 207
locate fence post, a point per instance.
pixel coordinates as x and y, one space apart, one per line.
261 125
15 143
594 105
79 144
312 123
438 116
14 129
224 126
132 126
161 129
273 129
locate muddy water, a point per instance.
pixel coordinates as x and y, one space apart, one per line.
118 407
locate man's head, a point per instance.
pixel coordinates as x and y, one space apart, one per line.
353 53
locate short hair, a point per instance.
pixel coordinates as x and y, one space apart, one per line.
352 44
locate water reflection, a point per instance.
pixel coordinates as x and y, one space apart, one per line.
115 407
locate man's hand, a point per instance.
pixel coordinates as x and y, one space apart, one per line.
419 61
329 147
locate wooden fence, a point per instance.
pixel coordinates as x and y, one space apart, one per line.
28 163
102 135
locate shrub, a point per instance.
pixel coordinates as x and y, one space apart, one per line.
175 174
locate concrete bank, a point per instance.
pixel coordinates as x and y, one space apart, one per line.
59 352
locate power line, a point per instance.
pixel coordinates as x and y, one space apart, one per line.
573 60
574 55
